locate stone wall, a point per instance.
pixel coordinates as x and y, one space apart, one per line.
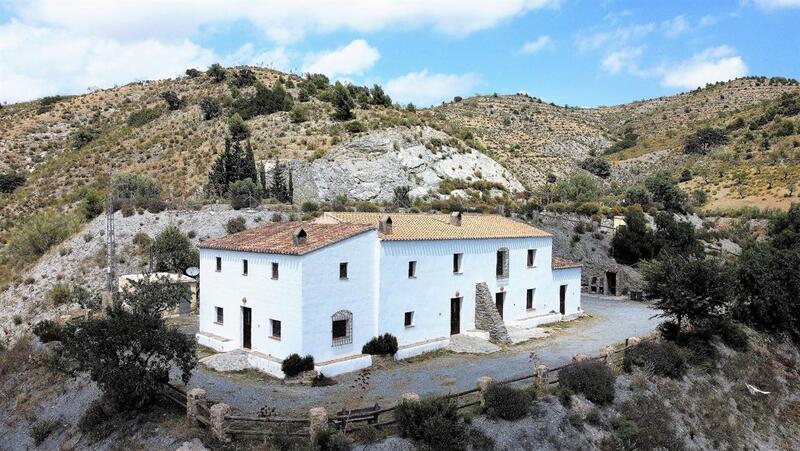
486 315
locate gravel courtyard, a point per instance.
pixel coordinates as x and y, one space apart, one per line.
611 320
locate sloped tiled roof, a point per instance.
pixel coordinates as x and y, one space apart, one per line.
411 226
563 263
277 238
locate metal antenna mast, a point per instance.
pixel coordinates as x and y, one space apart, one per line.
111 279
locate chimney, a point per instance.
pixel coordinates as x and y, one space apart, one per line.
299 236
455 218
385 225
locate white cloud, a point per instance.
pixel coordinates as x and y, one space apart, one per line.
281 20
424 89
626 58
277 58
352 59
675 26
38 61
714 64
537 44
771 5
616 37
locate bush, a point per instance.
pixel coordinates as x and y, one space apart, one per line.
597 166
701 141
9 181
238 128
506 402
321 380
142 117
173 101
210 108
733 335
665 358
593 379
309 206
137 191
243 77
329 440
236 225
48 331
92 204
646 424
84 136
355 127
385 344
41 430
216 72
93 417
294 364
193 73
173 252
60 294
433 422
243 194
298 114
41 232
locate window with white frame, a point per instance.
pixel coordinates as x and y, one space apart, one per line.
342 328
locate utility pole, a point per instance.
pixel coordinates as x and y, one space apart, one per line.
111 279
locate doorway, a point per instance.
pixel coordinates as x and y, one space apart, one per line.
247 322
499 300
611 284
455 316
562 300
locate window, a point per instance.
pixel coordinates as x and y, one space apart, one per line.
275 327
219 264
342 328
343 270
244 267
502 264
274 271
412 269
529 299
531 258
220 315
409 319
457 263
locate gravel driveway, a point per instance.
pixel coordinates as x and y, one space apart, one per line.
611 321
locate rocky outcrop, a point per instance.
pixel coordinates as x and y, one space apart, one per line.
487 317
372 166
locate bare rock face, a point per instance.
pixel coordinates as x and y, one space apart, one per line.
372 166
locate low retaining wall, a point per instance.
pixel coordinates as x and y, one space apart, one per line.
416 349
215 342
346 365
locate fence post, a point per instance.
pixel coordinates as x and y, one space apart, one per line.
409 397
218 412
317 422
541 378
194 398
632 341
483 384
580 357
607 352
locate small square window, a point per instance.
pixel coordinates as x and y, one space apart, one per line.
274 271
529 299
531 258
275 327
457 258
244 267
409 319
412 269
343 270
220 315
339 328
219 264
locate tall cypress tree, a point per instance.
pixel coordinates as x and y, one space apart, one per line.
278 189
290 189
249 164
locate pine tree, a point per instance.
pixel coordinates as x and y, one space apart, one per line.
249 164
278 189
262 178
290 188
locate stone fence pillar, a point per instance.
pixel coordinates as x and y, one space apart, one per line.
317 422
632 341
541 378
483 383
194 399
218 413
607 352
580 357
409 397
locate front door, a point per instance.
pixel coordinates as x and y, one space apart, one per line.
562 300
247 321
499 300
455 316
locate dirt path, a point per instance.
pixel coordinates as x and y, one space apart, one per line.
612 320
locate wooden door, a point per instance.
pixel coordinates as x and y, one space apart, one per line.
455 316
499 300
247 322
562 299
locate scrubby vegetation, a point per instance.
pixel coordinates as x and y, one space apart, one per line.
433 422
294 364
173 252
592 378
385 344
506 402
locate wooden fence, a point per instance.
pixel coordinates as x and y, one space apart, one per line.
225 425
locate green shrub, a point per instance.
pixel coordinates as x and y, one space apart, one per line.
236 225
355 127
665 358
592 378
136 191
646 424
298 114
597 166
173 252
294 364
309 207
84 136
60 294
210 108
41 430
329 440
243 194
385 344
321 380
92 204
142 117
733 335
93 417
9 181
216 72
17 320
433 422
702 140
506 402
37 235
48 331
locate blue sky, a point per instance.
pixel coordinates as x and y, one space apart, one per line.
575 52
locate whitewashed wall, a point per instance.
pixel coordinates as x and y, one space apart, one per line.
428 295
325 294
572 278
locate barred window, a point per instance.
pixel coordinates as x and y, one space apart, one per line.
342 328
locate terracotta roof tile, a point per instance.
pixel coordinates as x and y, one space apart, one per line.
411 226
563 263
277 238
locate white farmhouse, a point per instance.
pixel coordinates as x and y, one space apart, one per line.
327 287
